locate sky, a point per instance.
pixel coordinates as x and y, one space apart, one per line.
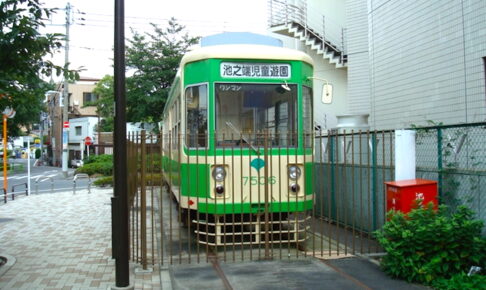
91 34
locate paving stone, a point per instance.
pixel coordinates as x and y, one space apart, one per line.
62 241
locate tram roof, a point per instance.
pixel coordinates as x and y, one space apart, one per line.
245 51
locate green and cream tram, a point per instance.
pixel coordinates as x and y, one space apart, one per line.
238 143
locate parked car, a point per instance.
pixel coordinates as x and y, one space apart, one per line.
76 163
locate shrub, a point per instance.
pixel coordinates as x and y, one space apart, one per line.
104 181
461 281
103 168
98 158
427 244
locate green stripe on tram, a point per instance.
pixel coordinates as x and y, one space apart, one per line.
230 208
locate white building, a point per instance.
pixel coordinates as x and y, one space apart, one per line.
303 26
79 129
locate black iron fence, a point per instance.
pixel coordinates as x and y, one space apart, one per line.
250 212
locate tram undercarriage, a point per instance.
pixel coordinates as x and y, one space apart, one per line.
247 229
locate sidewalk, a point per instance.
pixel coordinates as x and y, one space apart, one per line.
61 241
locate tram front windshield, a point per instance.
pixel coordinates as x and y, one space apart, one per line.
247 114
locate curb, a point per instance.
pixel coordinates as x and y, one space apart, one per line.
10 262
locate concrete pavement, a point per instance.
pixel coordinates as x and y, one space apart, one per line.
63 241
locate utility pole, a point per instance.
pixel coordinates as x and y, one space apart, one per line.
120 200
65 131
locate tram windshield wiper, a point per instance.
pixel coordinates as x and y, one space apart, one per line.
232 127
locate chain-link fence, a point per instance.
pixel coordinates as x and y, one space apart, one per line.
455 156
351 167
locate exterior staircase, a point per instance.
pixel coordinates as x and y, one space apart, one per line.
291 20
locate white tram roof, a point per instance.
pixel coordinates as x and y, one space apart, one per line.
245 51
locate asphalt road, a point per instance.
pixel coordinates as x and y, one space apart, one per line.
43 179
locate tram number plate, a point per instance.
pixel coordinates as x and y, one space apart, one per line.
262 180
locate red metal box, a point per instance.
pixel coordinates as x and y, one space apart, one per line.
401 195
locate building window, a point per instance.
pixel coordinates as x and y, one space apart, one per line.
89 97
78 130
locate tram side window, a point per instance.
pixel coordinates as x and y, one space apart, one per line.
307 116
196 116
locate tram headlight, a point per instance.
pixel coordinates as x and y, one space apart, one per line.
219 173
294 172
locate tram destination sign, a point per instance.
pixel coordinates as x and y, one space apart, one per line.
255 70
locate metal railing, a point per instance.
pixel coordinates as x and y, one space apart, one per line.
174 202
81 176
43 179
258 216
312 20
26 192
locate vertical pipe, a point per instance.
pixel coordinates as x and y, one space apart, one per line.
28 166
321 189
361 169
353 209
265 157
152 205
345 191
189 190
242 216
5 180
163 172
439 160
233 195
122 273
375 169
65 116
143 202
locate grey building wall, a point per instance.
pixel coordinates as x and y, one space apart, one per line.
358 69
424 61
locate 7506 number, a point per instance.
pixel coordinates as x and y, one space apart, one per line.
262 180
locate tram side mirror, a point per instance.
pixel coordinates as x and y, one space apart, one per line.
326 96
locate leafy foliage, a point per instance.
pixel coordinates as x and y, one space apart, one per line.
105 103
98 158
104 181
152 59
461 281
426 244
22 66
103 168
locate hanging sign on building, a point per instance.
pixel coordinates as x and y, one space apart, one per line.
255 70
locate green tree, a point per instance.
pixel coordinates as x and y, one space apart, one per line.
22 63
105 103
154 58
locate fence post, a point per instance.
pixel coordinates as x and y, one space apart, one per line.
143 202
374 178
267 228
439 160
333 170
